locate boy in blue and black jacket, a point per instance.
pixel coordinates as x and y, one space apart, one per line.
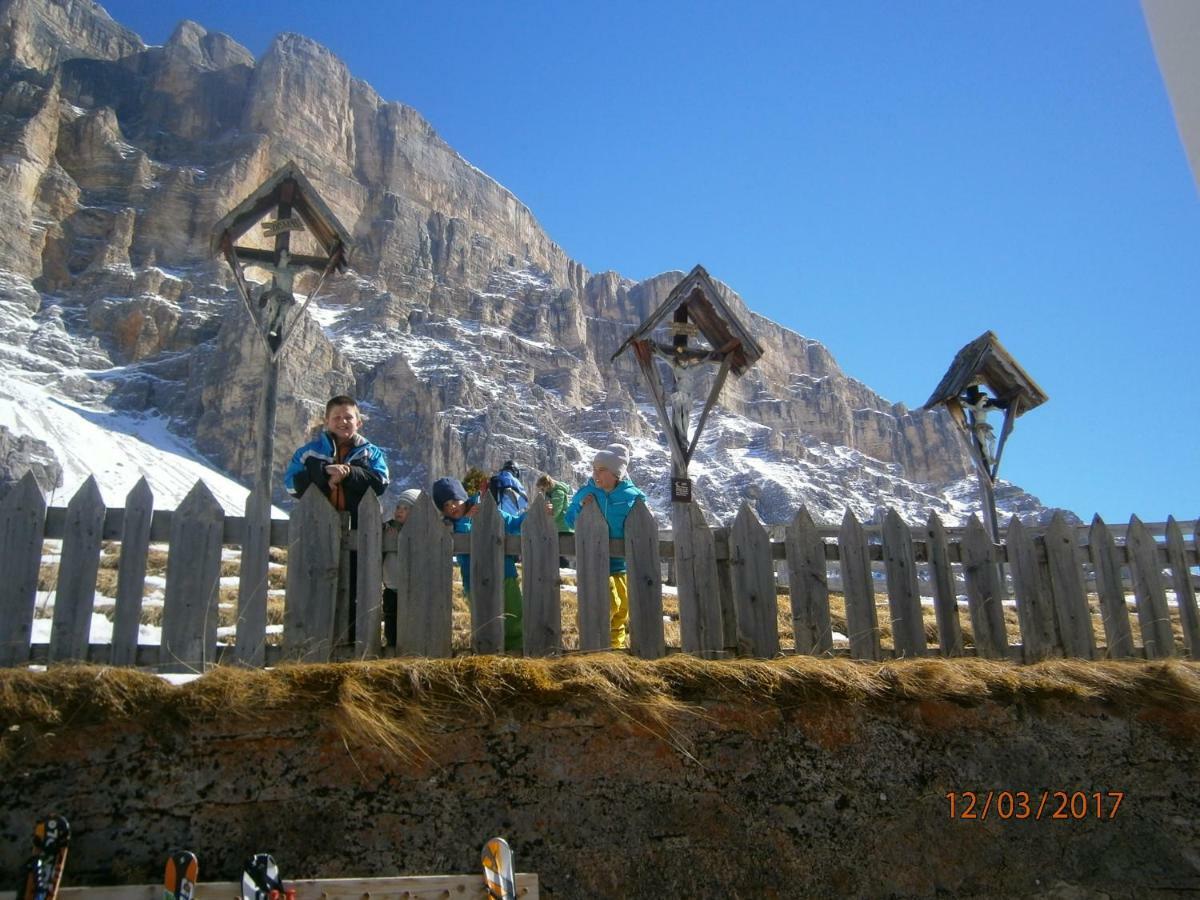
344 466
342 463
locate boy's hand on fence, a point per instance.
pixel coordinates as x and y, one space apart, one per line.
337 472
588 498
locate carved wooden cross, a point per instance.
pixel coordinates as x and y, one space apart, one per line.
696 312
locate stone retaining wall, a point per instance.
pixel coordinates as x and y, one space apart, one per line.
734 800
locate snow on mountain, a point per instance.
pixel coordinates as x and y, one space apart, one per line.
113 447
47 395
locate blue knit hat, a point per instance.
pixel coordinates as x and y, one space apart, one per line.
447 489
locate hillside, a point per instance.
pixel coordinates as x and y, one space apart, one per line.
468 334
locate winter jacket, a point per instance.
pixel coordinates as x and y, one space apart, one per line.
508 492
512 525
368 471
615 505
559 497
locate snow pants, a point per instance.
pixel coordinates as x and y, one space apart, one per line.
618 609
513 633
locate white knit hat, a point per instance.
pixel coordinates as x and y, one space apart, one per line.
614 457
408 498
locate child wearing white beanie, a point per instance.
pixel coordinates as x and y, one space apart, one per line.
615 458
615 495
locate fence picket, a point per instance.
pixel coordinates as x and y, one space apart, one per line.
487 577
645 584
369 574
1106 563
22 514
75 596
251 637
753 581
542 615
904 597
808 585
985 591
343 645
1034 610
728 608
1185 594
424 613
189 625
695 554
592 562
131 573
1153 616
1066 589
945 598
858 586
314 555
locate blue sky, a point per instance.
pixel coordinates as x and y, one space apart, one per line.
889 178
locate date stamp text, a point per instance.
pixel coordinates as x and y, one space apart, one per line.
1037 805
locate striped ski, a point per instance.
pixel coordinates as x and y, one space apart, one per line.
498 870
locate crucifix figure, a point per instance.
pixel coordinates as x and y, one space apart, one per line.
689 372
976 401
277 300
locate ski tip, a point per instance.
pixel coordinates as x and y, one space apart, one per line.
260 878
182 873
52 832
498 870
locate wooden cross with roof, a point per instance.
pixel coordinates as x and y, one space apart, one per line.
702 329
298 208
985 377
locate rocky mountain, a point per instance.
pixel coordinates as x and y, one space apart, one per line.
468 334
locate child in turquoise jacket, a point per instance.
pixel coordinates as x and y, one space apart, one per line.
615 494
450 497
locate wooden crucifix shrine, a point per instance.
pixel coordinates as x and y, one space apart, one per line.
298 210
696 331
984 378
691 332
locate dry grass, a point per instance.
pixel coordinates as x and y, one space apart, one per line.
403 705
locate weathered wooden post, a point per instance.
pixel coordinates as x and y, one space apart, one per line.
298 208
696 330
984 377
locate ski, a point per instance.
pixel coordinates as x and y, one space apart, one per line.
498 870
179 880
260 878
44 870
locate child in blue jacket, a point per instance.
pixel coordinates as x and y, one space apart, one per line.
615 494
344 466
450 497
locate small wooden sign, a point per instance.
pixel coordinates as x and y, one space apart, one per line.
681 490
687 328
278 226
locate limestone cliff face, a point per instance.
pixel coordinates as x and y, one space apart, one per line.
39 34
466 330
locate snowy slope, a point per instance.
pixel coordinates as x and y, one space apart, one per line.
116 448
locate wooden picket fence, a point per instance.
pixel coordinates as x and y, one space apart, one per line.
728 591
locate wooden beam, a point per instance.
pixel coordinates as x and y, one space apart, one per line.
718 383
